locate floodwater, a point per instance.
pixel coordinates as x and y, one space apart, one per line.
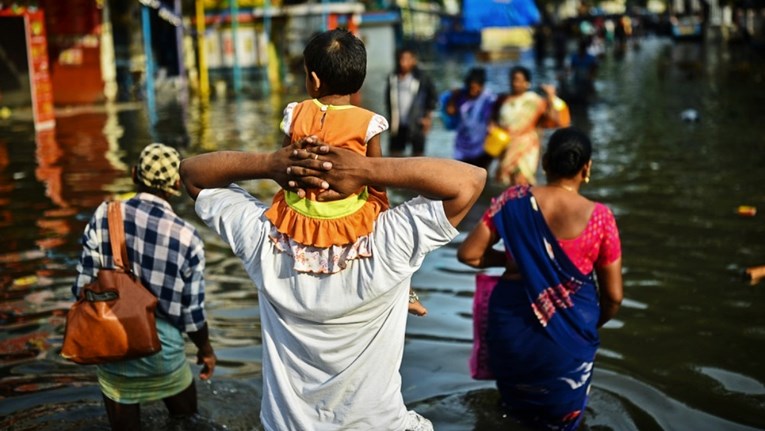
684 353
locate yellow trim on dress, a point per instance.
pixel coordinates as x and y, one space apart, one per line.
326 210
332 107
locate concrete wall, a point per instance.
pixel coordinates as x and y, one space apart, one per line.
380 41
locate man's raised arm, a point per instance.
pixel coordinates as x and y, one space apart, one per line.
455 183
219 169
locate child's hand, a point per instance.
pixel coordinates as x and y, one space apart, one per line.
330 195
306 142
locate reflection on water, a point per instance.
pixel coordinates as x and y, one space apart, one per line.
683 354
734 382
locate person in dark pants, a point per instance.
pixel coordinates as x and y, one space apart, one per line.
411 98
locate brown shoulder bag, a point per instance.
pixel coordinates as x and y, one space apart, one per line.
113 318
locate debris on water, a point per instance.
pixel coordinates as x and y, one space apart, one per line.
746 211
690 116
754 274
25 281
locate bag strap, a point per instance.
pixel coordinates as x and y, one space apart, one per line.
117 236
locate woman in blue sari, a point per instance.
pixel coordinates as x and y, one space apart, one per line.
562 281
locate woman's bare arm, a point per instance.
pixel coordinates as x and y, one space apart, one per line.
611 290
477 249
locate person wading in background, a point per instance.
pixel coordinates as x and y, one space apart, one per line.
411 99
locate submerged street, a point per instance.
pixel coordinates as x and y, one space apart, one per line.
684 353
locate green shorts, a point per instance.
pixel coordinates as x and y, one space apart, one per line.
161 375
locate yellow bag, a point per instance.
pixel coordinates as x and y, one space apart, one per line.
496 141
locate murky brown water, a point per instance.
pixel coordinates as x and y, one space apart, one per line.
685 352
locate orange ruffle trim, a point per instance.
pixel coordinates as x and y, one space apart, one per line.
327 232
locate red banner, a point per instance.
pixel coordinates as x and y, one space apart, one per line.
36 47
39 73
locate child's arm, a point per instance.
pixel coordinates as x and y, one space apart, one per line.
374 149
286 125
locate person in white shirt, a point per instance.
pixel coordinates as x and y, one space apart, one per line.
333 343
411 98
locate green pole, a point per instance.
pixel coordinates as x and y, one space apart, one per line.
234 6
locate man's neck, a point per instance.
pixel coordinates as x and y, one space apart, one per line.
154 192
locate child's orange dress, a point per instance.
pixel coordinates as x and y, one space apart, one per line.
323 236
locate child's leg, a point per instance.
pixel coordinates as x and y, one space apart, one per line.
415 306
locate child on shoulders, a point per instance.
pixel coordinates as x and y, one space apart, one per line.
323 236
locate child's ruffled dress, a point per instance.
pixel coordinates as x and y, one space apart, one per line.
323 236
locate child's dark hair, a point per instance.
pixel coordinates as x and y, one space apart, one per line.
568 150
522 70
339 59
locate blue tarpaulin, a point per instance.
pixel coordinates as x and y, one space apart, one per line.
479 14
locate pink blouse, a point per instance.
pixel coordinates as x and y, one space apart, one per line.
597 245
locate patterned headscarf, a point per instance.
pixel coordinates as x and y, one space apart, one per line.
158 168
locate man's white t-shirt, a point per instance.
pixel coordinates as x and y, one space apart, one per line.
332 343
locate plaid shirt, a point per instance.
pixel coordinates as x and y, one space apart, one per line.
164 250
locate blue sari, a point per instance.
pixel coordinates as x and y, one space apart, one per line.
542 330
